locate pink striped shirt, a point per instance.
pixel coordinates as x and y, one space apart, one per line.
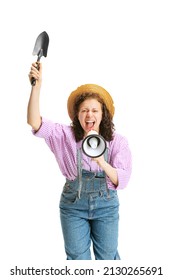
61 141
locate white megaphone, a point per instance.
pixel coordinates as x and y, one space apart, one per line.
94 145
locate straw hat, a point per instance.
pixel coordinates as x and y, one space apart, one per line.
90 88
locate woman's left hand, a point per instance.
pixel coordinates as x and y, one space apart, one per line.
110 171
99 160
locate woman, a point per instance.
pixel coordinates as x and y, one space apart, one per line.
89 205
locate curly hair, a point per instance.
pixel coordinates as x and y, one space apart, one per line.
106 126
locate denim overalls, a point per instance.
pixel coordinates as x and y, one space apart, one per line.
89 211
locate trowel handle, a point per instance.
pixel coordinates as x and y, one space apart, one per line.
33 80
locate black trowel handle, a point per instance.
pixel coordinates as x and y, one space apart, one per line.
40 54
33 80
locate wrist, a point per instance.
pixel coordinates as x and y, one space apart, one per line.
36 89
103 164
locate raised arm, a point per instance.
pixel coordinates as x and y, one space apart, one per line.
33 110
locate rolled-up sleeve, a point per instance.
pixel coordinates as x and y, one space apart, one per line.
61 141
121 159
45 129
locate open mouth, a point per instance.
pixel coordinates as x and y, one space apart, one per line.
90 124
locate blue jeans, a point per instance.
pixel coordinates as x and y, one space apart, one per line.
92 217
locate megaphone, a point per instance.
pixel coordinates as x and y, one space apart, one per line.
94 145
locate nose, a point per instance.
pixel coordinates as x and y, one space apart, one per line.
89 113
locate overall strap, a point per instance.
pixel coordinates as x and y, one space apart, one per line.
79 169
106 159
106 154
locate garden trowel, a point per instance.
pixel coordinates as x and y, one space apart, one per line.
40 49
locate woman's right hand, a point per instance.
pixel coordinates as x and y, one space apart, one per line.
36 73
33 110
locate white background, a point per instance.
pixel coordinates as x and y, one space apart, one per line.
125 46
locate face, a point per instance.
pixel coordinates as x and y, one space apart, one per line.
90 115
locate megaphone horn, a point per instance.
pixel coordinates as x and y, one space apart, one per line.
94 145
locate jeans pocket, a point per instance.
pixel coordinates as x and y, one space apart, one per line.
69 194
110 195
